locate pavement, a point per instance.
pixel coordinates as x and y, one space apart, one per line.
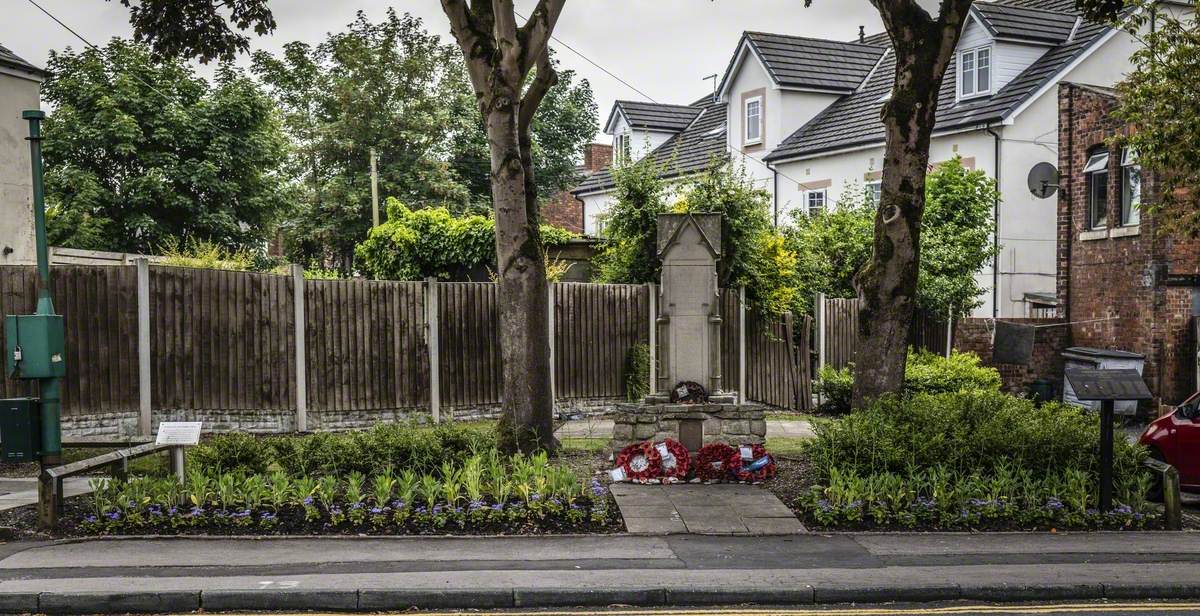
394 573
21 491
717 509
603 428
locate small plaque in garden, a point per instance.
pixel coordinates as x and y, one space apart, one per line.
178 433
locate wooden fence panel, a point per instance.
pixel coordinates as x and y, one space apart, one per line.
594 328
99 307
841 325
218 340
469 349
365 345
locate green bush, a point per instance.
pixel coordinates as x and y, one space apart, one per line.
637 372
964 432
388 445
925 372
232 452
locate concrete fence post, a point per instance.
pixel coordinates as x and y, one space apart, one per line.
820 310
550 332
742 393
431 344
300 347
143 346
949 331
652 291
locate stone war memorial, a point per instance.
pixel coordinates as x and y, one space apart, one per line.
688 401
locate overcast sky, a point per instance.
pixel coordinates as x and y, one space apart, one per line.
665 48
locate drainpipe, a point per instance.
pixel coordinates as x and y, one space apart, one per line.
996 227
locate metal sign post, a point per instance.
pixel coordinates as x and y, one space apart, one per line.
1107 386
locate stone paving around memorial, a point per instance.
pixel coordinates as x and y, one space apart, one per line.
603 428
700 509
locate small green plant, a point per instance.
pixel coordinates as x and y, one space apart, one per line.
925 372
232 452
199 253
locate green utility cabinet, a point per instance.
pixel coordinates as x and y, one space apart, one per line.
34 346
20 431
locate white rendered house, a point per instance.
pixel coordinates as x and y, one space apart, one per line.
803 117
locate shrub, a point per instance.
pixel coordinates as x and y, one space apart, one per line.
637 372
965 432
228 453
388 445
925 372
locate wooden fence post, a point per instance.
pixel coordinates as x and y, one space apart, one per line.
301 349
431 344
743 396
653 293
143 346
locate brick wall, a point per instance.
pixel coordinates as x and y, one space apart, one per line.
1116 276
563 210
975 335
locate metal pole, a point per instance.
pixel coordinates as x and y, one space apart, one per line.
51 388
374 191
1106 455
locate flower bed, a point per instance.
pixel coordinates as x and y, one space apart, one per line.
485 494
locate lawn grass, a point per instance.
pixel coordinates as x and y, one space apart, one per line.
571 443
787 446
790 416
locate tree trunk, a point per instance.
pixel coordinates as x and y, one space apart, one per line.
887 285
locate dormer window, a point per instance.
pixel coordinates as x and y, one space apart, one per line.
753 120
975 72
621 149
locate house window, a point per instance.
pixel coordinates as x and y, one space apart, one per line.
874 191
814 200
1131 188
1095 173
753 121
975 72
621 148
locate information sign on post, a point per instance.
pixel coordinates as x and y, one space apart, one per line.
1108 387
178 433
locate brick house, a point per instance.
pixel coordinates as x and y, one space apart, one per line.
564 210
1112 264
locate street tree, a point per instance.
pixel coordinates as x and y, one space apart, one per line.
923 46
204 30
140 152
500 55
1161 98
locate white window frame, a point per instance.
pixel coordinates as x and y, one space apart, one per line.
808 198
974 54
1097 209
1131 200
746 138
874 191
621 149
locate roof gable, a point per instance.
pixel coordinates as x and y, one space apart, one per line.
10 60
802 63
1024 23
652 116
853 120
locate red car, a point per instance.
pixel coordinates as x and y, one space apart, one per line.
1175 439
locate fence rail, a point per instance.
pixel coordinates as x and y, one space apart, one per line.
226 341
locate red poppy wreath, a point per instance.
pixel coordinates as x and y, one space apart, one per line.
640 461
676 462
716 461
760 466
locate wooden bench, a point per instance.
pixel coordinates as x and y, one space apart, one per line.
50 482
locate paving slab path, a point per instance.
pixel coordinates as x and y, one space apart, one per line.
700 509
603 428
18 492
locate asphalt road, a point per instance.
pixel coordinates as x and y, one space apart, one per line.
943 609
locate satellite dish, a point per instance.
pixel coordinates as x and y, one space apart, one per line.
1043 180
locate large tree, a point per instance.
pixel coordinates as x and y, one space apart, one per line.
201 29
141 152
887 286
500 55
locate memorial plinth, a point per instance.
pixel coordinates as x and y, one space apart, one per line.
688 402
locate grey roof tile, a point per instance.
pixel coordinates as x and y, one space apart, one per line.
853 120
657 116
1025 23
801 62
11 60
690 151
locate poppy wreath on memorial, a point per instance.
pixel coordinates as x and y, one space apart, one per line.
640 461
716 461
755 469
678 462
